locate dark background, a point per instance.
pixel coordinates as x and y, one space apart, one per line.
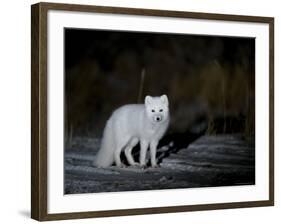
209 80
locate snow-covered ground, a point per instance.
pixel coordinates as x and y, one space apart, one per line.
220 160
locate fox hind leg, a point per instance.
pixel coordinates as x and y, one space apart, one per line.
128 151
120 145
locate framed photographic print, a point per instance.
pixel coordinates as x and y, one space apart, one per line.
138 111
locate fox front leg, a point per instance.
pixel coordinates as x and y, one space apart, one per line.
144 145
153 149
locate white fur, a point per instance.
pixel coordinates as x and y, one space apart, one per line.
130 124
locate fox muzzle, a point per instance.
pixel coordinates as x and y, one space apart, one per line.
158 118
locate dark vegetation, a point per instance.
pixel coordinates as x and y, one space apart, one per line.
205 77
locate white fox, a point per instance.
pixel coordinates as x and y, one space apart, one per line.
130 124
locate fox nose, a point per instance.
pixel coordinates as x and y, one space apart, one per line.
158 118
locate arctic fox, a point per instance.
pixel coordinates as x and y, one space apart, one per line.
145 123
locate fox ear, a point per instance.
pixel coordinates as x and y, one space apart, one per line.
148 100
164 99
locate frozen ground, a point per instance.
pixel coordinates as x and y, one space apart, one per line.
209 161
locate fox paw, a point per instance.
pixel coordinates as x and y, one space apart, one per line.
142 166
135 164
155 165
121 165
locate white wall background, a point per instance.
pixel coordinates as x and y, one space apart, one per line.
15 111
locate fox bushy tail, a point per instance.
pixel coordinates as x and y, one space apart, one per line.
105 156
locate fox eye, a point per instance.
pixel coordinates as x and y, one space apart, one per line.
161 110
152 111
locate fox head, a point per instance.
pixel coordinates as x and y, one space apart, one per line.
157 108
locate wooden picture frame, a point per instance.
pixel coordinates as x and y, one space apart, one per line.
39 108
